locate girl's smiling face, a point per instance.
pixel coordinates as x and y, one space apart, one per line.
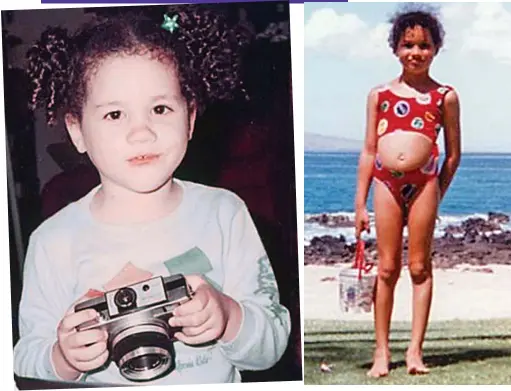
135 123
416 50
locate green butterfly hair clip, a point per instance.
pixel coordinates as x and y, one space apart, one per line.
170 23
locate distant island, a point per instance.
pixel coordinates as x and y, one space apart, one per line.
314 142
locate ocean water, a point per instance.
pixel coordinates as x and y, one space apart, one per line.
481 184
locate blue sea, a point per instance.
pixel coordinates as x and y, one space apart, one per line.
481 184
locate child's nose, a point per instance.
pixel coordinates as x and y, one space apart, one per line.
416 51
141 132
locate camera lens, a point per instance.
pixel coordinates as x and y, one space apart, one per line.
125 298
143 352
144 363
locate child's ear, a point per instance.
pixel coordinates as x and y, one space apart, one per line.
192 115
75 132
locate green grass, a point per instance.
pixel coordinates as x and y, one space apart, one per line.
457 352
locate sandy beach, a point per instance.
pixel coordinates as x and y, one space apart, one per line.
465 292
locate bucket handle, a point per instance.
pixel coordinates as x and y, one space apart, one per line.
360 260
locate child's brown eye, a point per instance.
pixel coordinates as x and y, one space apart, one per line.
113 115
161 109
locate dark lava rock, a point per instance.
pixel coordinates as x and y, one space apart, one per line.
331 221
474 244
499 218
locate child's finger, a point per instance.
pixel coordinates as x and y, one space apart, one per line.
195 331
70 322
358 230
367 225
198 303
90 353
87 337
95 363
190 320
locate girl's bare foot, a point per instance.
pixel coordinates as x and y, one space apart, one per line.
381 362
414 363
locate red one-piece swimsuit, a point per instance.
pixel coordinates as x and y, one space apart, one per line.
422 114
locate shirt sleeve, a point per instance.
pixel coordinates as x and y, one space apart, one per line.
250 280
42 305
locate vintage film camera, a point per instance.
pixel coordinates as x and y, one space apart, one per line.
136 319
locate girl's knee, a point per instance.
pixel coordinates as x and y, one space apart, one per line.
419 271
388 274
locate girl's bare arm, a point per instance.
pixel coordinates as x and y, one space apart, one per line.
452 140
368 153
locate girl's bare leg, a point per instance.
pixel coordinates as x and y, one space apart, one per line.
421 224
389 231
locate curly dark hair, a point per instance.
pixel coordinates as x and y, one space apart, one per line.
411 15
204 49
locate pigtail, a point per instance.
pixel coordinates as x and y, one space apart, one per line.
48 66
206 51
213 53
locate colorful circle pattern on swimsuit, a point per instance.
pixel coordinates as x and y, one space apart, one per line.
424 99
397 174
401 109
377 163
407 191
418 123
428 116
382 126
419 113
431 166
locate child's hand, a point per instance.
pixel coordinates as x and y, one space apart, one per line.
210 315
78 351
361 221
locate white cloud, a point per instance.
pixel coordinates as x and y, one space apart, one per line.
481 27
326 23
471 28
345 35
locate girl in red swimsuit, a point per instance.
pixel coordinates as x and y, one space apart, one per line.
422 114
404 118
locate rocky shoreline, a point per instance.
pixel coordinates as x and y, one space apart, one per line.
477 241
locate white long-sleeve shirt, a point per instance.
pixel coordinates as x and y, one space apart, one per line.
210 233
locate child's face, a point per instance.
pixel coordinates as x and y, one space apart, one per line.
135 123
416 50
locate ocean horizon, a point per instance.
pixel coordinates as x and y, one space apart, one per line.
480 186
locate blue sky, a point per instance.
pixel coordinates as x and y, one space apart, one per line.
346 54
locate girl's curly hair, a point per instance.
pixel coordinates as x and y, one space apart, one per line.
411 15
204 49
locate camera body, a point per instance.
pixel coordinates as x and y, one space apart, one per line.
136 319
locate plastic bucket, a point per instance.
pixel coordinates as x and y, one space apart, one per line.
356 294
